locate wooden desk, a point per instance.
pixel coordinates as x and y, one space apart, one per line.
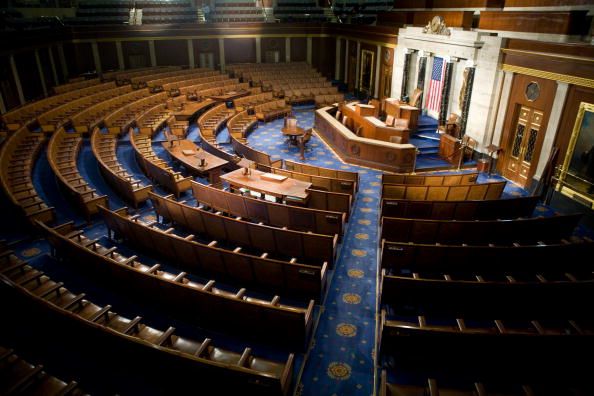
449 148
254 182
372 128
191 108
356 150
292 133
227 96
212 166
403 110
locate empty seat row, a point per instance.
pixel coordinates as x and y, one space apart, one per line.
277 276
311 247
482 191
128 344
274 214
272 110
62 154
200 303
17 159
103 144
157 169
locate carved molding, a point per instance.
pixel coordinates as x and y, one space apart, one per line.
437 26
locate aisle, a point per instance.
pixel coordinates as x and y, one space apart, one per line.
341 359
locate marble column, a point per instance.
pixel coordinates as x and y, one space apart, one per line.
445 93
41 74
222 54
287 49
53 65
258 50
337 60
152 53
378 64
309 50
405 70
505 92
120 52
17 80
96 57
421 77
191 61
552 127
467 97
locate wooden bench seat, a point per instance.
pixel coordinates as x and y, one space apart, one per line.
314 248
130 345
278 276
155 168
274 214
235 312
535 257
530 348
104 148
431 180
17 376
483 191
544 296
272 110
490 209
523 230
63 150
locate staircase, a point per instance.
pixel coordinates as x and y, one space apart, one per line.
329 14
200 15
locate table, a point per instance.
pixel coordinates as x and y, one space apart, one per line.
254 182
212 163
191 108
292 133
227 96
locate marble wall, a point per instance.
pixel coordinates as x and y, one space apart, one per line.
464 48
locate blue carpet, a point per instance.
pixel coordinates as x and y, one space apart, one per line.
342 359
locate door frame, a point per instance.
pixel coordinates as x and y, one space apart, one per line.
517 99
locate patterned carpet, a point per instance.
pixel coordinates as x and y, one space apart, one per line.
341 360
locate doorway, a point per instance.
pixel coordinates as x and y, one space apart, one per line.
521 162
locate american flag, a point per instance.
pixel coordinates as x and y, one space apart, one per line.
436 84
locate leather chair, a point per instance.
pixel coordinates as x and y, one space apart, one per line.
452 126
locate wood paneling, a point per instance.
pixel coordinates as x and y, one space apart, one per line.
461 19
136 54
575 49
108 55
323 55
386 67
546 3
517 99
47 68
207 46
554 64
298 49
448 3
273 44
575 96
172 52
240 50
367 152
572 22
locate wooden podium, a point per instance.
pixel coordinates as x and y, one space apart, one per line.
449 148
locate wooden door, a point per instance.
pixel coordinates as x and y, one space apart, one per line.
521 161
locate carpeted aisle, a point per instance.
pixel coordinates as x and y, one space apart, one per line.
341 361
